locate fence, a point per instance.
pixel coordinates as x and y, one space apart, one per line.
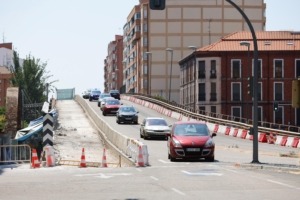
15 154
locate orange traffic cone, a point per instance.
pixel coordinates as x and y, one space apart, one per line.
104 164
35 160
140 161
82 162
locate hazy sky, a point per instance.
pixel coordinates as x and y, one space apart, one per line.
72 35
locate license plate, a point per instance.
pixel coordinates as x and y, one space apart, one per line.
127 118
193 149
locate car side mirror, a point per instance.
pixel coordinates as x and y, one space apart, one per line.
170 125
214 135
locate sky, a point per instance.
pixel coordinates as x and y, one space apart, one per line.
72 36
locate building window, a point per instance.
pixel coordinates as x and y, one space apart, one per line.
278 91
201 71
236 113
236 68
202 109
236 91
278 115
213 69
259 68
213 92
259 114
213 109
201 92
259 91
297 69
278 69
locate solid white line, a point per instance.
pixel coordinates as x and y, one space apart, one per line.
178 191
283 184
154 178
202 173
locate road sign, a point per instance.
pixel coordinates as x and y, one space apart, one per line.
48 129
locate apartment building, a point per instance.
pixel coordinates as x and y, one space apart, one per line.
113 67
221 72
156 40
6 61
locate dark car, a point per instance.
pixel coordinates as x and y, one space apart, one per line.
111 106
115 94
191 140
86 94
154 127
94 95
127 114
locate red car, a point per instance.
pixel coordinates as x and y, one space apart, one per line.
191 140
111 106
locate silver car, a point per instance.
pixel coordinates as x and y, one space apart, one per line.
102 95
154 127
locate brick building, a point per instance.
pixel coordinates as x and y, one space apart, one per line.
113 65
222 70
155 40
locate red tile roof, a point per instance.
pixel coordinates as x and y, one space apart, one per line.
266 41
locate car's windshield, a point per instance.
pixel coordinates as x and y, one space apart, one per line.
157 122
113 102
105 95
96 92
191 129
127 109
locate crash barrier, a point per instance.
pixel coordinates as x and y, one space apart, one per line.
117 140
15 154
266 135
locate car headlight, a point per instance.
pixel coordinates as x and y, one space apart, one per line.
209 143
176 143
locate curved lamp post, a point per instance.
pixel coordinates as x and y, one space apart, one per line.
171 51
254 129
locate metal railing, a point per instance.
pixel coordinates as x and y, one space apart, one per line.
221 119
15 154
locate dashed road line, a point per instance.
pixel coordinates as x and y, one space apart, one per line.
178 191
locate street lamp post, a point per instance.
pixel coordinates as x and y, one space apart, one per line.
171 51
149 69
247 44
194 48
255 84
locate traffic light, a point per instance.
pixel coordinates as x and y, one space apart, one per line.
250 85
157 4
296 94
275 106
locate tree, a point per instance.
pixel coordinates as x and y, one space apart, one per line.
31 77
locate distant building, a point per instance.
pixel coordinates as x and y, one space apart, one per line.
181 28
222 70
6 62
5 77
113 67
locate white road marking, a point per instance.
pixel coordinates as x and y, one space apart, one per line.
102 175
154 178
178 191
202 173
165 162
283 184
138 169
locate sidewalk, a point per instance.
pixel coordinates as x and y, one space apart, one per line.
75 132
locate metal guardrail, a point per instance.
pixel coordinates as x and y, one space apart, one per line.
280 129
15 154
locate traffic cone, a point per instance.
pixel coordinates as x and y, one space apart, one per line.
35 160
82 162
49 156
104 164
140 161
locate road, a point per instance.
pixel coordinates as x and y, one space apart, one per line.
228 177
